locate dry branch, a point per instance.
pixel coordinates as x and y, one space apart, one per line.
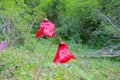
109 51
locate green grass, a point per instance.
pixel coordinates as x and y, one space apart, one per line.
20 64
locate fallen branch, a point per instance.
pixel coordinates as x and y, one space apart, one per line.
105 52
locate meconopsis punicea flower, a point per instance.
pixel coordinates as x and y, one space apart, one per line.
3 45
46 29
63 54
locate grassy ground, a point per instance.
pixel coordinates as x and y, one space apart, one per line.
20 64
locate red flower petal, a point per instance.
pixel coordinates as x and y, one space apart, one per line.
63 55
47 29
39 33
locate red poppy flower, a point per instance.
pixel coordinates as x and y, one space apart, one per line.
46 29
63 55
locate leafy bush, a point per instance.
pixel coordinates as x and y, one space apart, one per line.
89 22
86 22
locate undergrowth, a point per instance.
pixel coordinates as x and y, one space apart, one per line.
17 63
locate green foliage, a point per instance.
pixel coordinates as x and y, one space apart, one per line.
91 22
80 20
15 20
14 14
85 22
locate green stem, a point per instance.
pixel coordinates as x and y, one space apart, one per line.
43 62
28 34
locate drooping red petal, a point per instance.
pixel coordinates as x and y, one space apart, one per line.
66 56
39 33
56 58
63 54
48 28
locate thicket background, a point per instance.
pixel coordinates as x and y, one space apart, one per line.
95 23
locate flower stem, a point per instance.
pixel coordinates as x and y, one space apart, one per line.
28 34
43 62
